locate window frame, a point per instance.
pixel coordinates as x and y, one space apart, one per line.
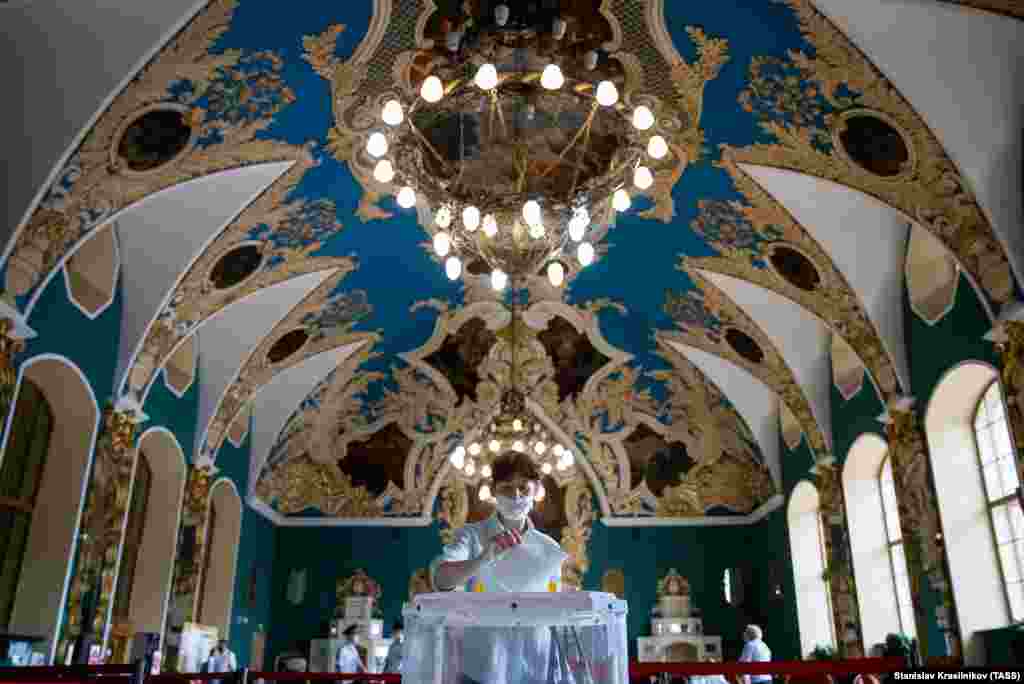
1003 501
890 547
823 554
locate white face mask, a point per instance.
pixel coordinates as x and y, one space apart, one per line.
513 508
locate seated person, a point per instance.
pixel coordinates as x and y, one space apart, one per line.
755 651
503 553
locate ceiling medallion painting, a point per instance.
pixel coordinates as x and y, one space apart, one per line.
833 115
191 97
748 233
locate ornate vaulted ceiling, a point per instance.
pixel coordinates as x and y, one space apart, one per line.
765 263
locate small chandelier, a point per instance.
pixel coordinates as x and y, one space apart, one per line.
510 431
513 161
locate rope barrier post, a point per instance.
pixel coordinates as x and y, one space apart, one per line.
139 676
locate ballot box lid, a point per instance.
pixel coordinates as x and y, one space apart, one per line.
500 609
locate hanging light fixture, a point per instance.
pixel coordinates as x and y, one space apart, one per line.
453 267
406 198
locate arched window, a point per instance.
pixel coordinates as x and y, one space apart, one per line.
20 475
807 543
894 545
867 515
999 471
133 538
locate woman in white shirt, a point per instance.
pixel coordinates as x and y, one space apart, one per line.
504 553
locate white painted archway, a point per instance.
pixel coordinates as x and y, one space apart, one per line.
813 604
52 539
153 573
219 585
876 588
970 545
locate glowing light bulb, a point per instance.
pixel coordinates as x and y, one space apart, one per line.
499 279
453 267
392 113
546 468
490 226
458 457
442 243
539 496
471 218
517 425
552 78
432 90
486 77
556 274
578 224
377 145
557 450
643 118
470 468
607 94
494 446
537 231
485 471
585 253
531 212
518 445
443 217
485 492
474 449
406 198
384 172
620 200
657 147
568 457
540 448
642 177
501 14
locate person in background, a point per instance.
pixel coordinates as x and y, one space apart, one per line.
710 679
755 651
221 660
348 656
394 659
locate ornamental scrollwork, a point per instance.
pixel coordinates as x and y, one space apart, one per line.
804 103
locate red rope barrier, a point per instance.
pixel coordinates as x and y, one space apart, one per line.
781 667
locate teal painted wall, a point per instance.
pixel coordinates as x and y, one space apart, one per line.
931 351
389 555
701 554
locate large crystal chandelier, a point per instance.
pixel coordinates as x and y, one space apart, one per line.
512 158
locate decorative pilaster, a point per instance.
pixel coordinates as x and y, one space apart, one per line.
191 550
921 528
102 528
839 568
13 333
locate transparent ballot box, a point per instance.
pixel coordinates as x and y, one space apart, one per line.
508 638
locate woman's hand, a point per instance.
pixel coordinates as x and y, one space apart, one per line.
500 543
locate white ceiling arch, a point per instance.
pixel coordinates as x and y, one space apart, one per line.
801 338
927 48
865 239
164 235
228 338
755 401
277 400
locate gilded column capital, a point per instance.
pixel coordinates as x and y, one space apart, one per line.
13 334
